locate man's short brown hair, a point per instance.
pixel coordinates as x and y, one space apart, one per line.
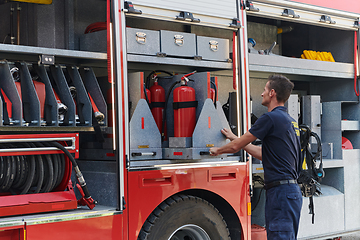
282 86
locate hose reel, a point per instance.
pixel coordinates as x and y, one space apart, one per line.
40 163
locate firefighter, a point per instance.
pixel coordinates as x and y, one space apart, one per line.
280 153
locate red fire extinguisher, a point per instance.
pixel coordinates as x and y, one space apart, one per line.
184 109
147 96
157 104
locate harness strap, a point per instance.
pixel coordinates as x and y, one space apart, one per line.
177 105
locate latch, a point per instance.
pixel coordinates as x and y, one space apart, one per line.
187 16
289 13
356 23
179 40
213 45
46 59
235 23
129 8
141 37
250 6
326 19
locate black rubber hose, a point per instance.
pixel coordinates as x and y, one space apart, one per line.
146 96
147 81
48 174
39 171
29 173
59 166
2 170
9 174
56 170
76 168
60 173
215 88
16 170
42 172
20 172
12 173
62 168
30 176
6 171
49 171
165 106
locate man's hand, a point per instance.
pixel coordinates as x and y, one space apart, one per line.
214 151
228 134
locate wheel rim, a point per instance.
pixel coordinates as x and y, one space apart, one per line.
189 232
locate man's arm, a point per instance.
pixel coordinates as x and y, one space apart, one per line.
235 145
253 150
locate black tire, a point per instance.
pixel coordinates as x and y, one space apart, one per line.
183 217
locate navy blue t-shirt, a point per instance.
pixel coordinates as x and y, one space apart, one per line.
281 151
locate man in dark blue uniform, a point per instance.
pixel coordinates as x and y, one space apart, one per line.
280 154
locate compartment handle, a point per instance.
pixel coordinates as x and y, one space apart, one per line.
214 45
179 40
141 37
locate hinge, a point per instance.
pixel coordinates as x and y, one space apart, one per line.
326 19
124 203
127 161
250 6
187 16
289 13
129 8
235 23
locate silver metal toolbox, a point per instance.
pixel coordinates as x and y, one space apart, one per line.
141 41
216 49
178 43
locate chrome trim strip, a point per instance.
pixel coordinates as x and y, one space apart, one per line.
169 15
11 224
308 7
37 139
308 14
69 217
187 165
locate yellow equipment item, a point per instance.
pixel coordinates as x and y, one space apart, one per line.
320 56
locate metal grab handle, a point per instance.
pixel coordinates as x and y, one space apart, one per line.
16 140
139 154
204 153
32 149
179 40
214 45
141 37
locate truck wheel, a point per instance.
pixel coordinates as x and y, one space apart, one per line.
183 217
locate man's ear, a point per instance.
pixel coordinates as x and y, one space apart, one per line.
272 93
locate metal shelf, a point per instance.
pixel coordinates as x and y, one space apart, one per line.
350 125
47 129
296 66
178 62
31 54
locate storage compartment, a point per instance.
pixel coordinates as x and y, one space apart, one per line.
58 25
215 49
142 41
166 129
35 173
292 39
179 44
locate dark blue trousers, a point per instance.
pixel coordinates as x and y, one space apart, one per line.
282 212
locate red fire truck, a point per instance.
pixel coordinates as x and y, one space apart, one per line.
109 109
